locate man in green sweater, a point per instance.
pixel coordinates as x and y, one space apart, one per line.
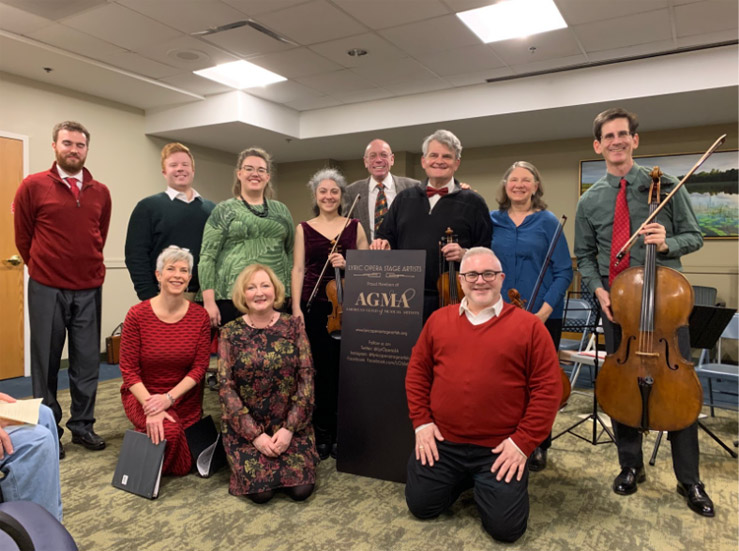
175 216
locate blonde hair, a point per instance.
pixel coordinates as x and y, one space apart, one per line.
238 296
176 147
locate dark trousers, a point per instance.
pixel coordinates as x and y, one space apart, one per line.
326 353
54 314
554 326
503 507
684 443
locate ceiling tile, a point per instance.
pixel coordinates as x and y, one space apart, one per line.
479 77
297 62
199 15
380 14
394 70
75 41
283 92
358 96
326 23
343 80
706 17
433 35
121 26
559 43
701 39
378 50
418 86
135 63
167 52
21 22
632 51
196 84
310 103
461 60
246 42
539 65
457 6
54 10
577 12
256 7
625 31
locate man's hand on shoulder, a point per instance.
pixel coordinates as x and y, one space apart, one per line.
511 462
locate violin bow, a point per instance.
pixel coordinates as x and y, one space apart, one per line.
630 243
332 251
545 265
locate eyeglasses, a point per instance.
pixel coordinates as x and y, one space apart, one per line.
622 135
488 275
249 169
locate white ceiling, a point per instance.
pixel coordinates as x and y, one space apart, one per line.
424 68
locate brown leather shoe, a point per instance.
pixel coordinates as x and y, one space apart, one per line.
626 482
698 499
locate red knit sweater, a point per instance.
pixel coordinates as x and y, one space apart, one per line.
60 239
484 383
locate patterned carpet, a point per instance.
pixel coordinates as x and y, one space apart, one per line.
572 505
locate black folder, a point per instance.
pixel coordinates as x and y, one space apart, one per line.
139 467
206 447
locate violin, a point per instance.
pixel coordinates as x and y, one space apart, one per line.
516 299
646 383
335 294
448 285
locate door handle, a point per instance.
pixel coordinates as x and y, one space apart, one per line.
14 260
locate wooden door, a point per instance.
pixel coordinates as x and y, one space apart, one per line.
11 271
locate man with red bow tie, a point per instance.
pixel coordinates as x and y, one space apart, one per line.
420 216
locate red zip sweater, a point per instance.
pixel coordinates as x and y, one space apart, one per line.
61 239
484 383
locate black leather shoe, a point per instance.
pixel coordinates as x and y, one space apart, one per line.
538 460
698 499
89 439
62 453
625 483
333 450
324 450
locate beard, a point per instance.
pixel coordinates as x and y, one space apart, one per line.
70 163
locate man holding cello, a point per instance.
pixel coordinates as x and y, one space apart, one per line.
607 213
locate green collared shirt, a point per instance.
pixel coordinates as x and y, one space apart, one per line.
594 224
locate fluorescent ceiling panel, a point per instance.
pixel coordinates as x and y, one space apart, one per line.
240 75
513 19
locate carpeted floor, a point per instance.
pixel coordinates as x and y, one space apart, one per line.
572 505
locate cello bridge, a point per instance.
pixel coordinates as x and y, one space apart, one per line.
647 354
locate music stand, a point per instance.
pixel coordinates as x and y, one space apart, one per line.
596 436
706 324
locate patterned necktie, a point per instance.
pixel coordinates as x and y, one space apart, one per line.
621 233
73 186
380 206
431 191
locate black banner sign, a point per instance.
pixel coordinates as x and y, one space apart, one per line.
382 318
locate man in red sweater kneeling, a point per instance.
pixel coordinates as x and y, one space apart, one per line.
483 388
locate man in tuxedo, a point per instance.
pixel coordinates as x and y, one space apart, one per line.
379 189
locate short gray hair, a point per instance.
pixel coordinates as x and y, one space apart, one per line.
173 254
327 174
477 251
444 137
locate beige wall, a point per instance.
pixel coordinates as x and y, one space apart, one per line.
127 161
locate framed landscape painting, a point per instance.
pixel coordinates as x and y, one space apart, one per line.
714 188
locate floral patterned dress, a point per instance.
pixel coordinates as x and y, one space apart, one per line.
266 383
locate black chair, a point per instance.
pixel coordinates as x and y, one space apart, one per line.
26 526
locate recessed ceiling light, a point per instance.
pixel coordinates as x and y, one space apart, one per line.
240 74
513 19
357 52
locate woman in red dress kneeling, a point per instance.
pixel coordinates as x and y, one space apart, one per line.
164 355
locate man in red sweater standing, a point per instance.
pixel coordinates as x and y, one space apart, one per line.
483 388
61 224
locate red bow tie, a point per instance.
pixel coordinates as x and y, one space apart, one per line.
431 191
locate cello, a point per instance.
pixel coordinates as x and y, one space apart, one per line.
515 297
448 285
646 383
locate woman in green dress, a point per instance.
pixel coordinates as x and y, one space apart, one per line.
249 228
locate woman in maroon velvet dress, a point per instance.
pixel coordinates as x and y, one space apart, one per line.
164 355
313 242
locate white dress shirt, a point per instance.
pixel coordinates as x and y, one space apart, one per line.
181 195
